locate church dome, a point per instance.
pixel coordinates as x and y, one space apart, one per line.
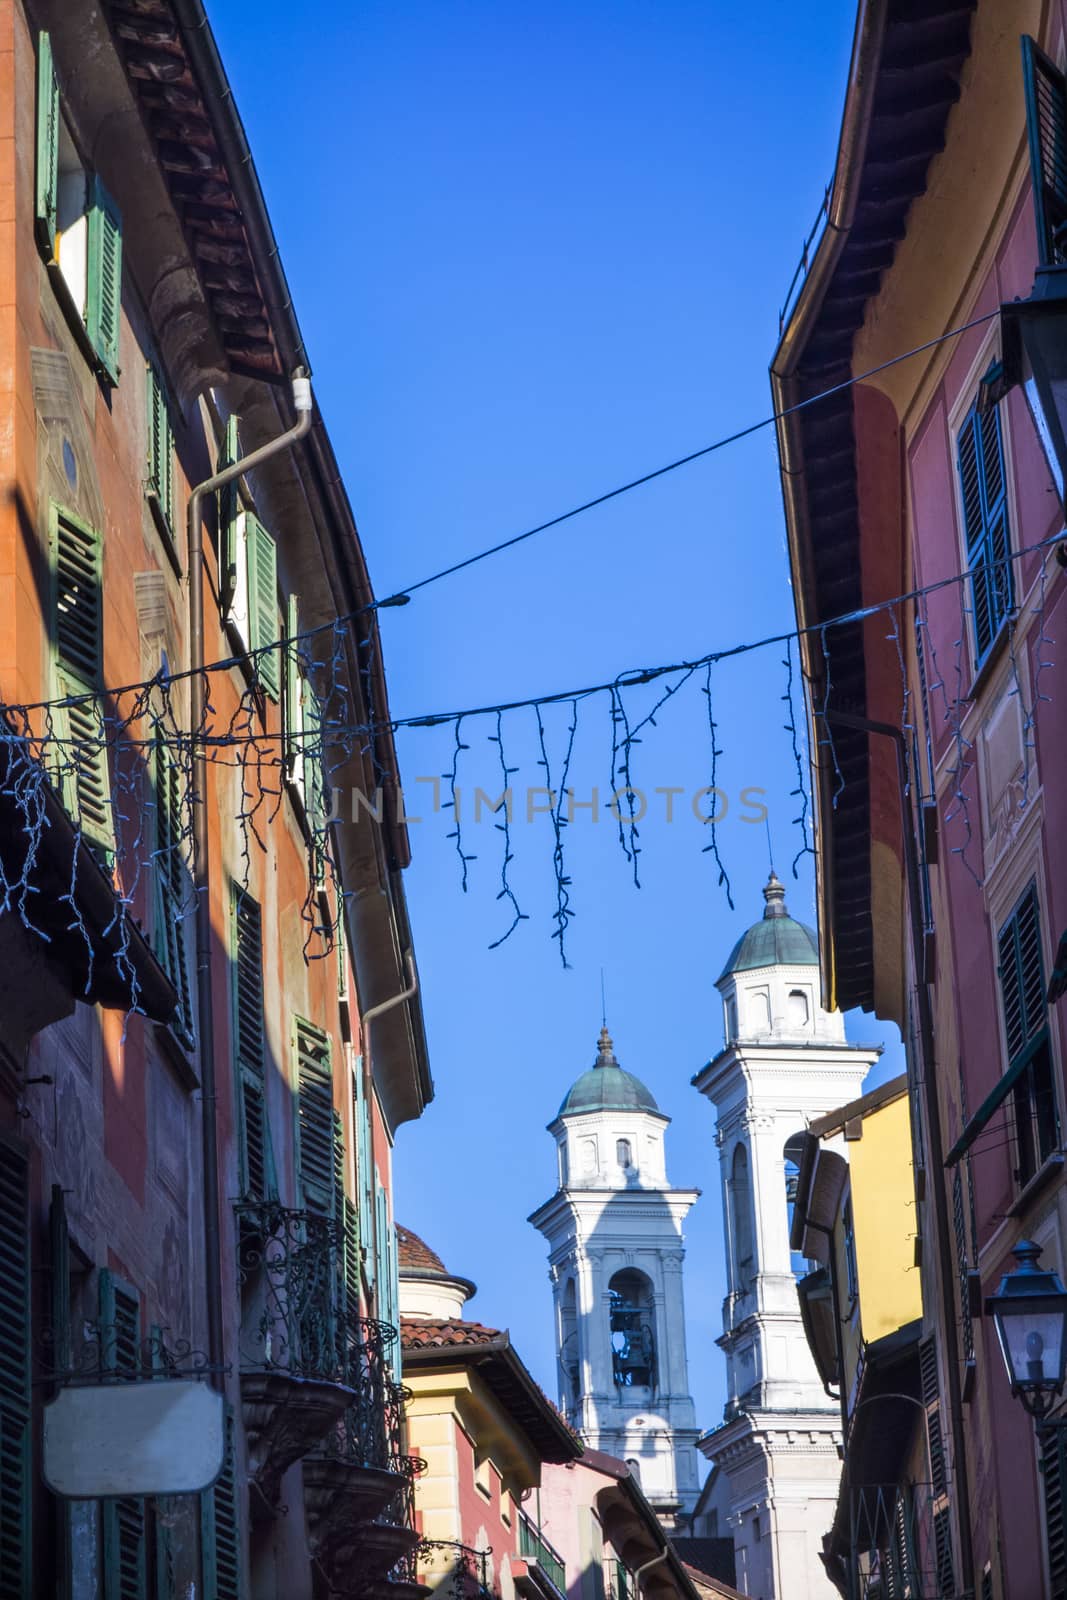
776 940
606 1087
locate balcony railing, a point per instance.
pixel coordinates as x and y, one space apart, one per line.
901 1543
533 1546
290 1280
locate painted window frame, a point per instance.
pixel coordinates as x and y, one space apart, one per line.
963 414
97 323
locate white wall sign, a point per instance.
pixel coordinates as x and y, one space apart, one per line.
166 1436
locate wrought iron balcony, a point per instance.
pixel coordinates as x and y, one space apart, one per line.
372 1556
288 1272
533 1546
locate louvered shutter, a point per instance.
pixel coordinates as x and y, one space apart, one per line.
983 493
123 1520
228 507
59 1266
942 1528
315 1118
220 1529
959 1225
104 299
262 557
47 145
1022 976
160 463
314 760
257 1170
293 720
78 644
1046 124
174 889
15 1432
352 1261
1053 1441
364 1168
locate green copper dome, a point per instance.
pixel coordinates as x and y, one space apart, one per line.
606 1087
776 940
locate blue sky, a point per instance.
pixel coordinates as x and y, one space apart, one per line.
537 251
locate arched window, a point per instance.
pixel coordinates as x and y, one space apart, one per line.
623 1153
633 1344
568 1342
740 1195
799 1015
759 1010
588 1149
731 1019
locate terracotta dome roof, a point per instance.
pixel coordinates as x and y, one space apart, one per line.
413 1252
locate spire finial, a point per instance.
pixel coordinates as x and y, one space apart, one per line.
603 1002
605 1054
774 895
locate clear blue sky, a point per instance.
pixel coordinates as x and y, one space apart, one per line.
537 250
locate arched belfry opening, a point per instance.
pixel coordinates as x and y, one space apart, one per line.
742 1229
633 1339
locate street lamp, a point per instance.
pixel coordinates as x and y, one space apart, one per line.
1034 345
1029 1312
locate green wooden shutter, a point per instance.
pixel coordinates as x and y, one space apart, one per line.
15 1429
314 762
174 891
228 508
160 462
315 1118
387 1273
1022 976
262 556
77 642
983 491
104 298
293 719
125 1567
931 1398
256 1161
1052 1438
1046 123
352 1260
220 1529
47 144
364 1167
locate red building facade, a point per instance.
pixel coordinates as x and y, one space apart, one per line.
932 476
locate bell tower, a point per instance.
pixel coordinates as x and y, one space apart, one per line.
784 1062
614 1231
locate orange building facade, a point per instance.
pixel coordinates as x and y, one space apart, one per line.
210 1028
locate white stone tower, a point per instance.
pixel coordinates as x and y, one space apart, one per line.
785 1062
614 1230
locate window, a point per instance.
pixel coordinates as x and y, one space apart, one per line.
253 613
930 1386
78 652
799 1015
220 1531
174 891
623 1153
731 1019
759 1010
79 228
984 501
159 465
256 1158
756 1531
1021 971
124 1564
589 1157
852 1278
1053 1444
315 1120
386 1273
1046 117
303 727
632 1342
739 1195
15 1393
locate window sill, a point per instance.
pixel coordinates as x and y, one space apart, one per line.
992 658
75 322
165 531
1050 1170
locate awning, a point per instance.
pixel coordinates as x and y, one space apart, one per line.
994 1100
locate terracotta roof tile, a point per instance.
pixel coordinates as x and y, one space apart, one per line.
414 1252
419 1335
